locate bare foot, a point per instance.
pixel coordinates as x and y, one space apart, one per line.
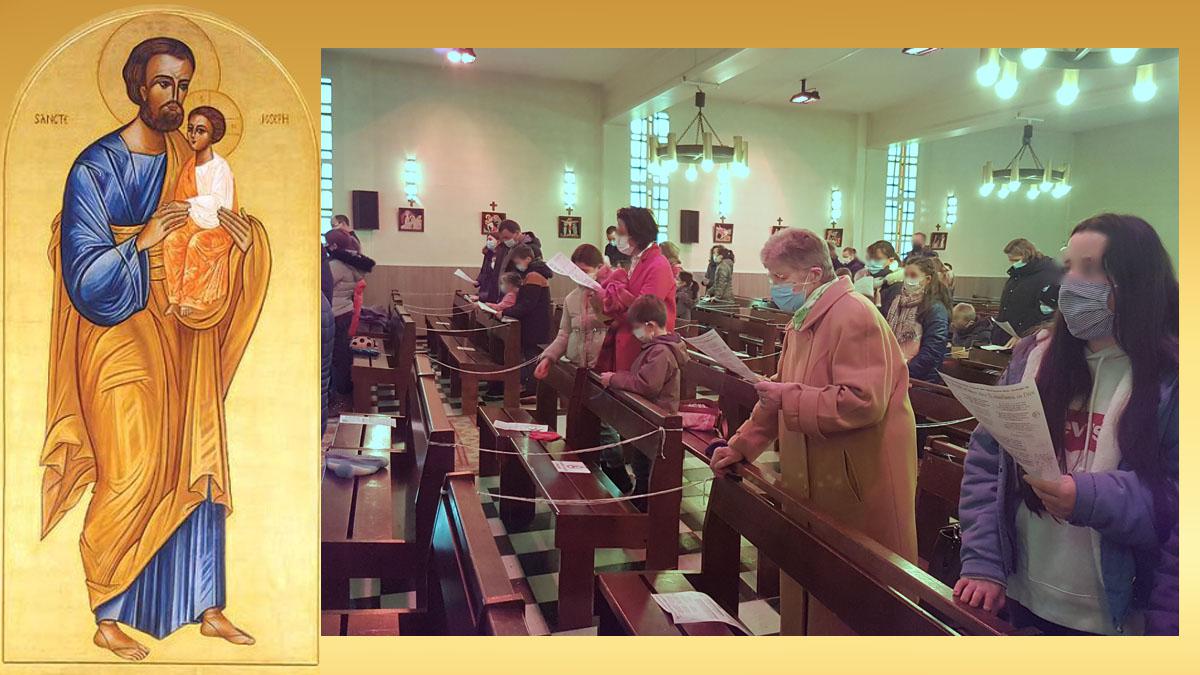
109 636
214 624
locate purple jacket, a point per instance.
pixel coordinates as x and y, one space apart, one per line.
1117 504
1162 614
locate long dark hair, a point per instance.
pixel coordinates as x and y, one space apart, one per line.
1146 327
935 291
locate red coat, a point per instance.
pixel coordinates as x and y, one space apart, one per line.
651 276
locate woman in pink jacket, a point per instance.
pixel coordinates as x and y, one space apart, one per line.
839 409
649 274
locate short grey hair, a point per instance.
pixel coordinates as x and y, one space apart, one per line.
797 248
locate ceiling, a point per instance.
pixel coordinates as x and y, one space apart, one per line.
883 83
591 66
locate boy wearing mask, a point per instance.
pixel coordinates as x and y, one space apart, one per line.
532 308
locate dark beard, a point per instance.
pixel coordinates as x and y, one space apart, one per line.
168 117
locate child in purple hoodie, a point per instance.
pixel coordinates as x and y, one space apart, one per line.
656 371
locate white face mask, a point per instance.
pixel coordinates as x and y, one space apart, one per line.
624 245
511 242
717 258
913 283
640 334
845 259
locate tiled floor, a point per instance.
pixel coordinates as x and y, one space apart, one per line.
532 562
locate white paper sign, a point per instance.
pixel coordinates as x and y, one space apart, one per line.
993 348
1013 415
694 607
561 264
368 419
711 344
463 275
520 426
570 467
487 309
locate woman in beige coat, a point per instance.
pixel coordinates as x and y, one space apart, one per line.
839 408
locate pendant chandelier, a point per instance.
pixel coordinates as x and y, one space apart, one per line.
999 67
706 150
1039 177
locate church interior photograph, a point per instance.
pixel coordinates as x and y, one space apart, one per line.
927 385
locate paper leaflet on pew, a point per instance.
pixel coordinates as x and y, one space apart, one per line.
368 419
561 264
519 426
1013 415
463 275
694 607
570 467
715 348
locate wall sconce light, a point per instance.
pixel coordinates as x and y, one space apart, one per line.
570 190
412 180
951 211
835 205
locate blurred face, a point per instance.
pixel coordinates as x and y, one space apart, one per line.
199 132
612 236
959 320
1085 258
1015 258
343 225
914 278
918 240
847 253
587 269
504 236
645 331
522 264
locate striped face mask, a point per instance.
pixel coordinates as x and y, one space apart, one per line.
1084 306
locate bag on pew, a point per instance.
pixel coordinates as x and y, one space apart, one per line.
944 562
702 414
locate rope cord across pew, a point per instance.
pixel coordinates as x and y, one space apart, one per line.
947 423
456 331
604 500
554 454
487 372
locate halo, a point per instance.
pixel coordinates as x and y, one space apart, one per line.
234 124
127 36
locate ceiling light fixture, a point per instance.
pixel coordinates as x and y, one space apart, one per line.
1039 177
806 95
707 150
1069 90
920 51
1033 58
461 55
1144 87
989 67
997 67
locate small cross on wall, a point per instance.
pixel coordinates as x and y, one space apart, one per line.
780 221
493 205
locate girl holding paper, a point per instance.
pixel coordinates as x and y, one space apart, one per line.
581 331
1077 555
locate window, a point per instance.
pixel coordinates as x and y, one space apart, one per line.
326 154
900 195
646 189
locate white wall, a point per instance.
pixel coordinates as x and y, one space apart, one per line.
796 158
479 137
1132 168
1129 168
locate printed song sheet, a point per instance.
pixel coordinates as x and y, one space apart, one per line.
463 275
519 426
368 419
1013 414
694 607
561 264
711 344
570 467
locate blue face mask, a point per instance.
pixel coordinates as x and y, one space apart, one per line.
491 244
787 298
1018 265
874 266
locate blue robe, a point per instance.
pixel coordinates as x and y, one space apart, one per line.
107 283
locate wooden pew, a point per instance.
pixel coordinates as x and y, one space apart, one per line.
939 479
868 587
471 592
380 526
482 353
936 403
580 529
392 369
971 371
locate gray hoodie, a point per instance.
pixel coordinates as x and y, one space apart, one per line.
656 371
